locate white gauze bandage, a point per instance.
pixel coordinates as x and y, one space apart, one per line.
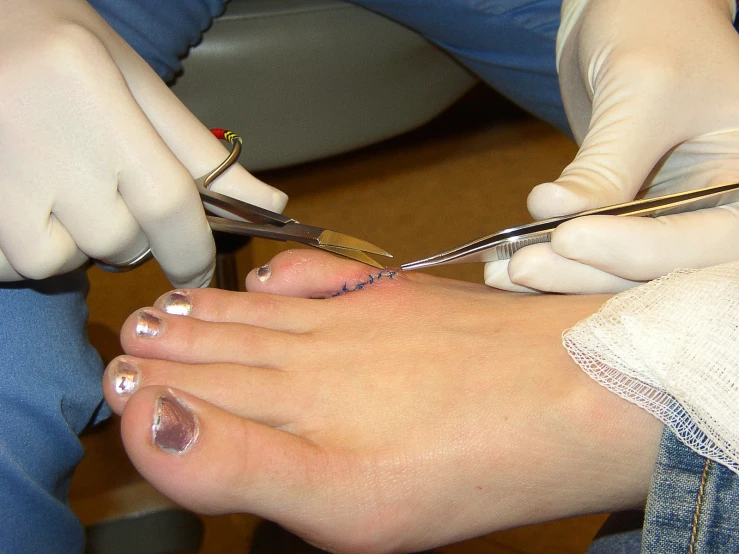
671 346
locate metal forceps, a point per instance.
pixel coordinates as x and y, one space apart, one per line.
271 225
503 244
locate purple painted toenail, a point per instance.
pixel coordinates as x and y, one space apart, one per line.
264 273
175 428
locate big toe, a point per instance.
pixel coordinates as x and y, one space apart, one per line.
208 459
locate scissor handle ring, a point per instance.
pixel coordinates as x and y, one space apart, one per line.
236 142
141 259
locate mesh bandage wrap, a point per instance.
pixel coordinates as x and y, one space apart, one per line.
671 346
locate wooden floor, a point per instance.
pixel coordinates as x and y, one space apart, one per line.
465 175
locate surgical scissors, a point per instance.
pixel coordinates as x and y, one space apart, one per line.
503 244
264 223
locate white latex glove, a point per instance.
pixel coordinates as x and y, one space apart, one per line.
97 155
651 91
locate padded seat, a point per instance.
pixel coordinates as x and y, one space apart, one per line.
301 80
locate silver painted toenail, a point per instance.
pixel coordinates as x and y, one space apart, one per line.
148 325
177 303
125 377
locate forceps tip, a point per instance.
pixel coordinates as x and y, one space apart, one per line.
431 261
415 265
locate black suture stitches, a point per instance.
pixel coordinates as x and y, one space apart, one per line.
385 274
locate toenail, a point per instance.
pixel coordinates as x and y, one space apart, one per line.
264 273
177 303
175 428
148 325
125 377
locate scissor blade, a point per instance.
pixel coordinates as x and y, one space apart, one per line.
297 232
250 212
340 240
304 234
355 255
292 231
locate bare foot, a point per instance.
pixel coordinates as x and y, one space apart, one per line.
406 412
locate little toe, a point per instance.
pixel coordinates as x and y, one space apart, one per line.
309 274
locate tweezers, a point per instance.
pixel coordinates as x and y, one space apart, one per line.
503 244
264 223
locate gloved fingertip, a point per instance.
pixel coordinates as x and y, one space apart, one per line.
525 271
279 200
556 199
496 276
596 239
575 239
266 195
495 272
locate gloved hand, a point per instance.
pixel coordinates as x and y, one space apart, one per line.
97 155
650 89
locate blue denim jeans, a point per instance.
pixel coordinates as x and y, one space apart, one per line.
693 504
509 44
50 392
692 508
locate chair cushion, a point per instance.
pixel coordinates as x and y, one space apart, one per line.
301 80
